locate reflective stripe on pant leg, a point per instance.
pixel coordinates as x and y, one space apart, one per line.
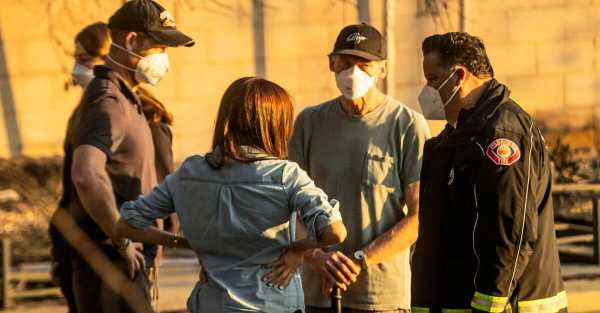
489 303
419 309
545 305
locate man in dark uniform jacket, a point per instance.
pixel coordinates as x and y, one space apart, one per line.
487 241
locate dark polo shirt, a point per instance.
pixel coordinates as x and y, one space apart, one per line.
110 118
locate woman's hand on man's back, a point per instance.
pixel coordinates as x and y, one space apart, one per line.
284 268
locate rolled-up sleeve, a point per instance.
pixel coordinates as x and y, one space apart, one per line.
158 204
315 209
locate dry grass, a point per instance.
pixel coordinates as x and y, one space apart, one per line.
38 182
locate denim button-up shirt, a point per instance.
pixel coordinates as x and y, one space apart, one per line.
237 219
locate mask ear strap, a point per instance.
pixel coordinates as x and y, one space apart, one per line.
108 57
454 92
127 50
447 79
355 66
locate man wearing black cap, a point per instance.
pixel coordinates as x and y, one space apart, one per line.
113 159
363 148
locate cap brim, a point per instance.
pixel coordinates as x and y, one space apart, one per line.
357 53
171 37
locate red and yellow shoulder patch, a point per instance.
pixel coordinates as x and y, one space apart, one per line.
503 151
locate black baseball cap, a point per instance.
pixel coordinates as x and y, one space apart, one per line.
150 18
361 40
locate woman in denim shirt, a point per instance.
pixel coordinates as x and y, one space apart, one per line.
237 207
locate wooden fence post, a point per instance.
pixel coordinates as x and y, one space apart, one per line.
5 297
596 228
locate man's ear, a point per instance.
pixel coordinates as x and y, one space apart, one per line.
330 63
130 40
462 73
383 69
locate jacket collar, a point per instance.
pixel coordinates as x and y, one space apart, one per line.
470 122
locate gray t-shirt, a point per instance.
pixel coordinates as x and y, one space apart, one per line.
365 162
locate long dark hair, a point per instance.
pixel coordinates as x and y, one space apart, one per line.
95 39
154 110
254 112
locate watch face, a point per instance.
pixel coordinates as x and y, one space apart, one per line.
359 255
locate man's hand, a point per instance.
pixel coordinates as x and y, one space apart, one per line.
134 258
284 268
326 287
334 267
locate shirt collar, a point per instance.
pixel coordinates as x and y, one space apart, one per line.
105 72
253 152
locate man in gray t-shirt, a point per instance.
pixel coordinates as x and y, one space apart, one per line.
364 149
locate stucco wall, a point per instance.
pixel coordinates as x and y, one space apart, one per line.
547 51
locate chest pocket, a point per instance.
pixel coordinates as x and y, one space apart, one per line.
464 163
460 182
379 168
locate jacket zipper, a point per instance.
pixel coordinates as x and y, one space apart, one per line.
474 230
476 218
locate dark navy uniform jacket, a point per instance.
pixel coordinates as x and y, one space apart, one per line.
486 239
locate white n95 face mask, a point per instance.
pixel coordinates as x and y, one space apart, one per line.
353 82
431 101
150 69
82 75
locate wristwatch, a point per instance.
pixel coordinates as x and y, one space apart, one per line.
360 257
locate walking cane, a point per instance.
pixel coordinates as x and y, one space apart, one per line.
336 300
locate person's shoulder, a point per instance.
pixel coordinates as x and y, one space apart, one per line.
318 109
193 166
432 142
511 117
292 172
100 91
101 83
406 118
402 110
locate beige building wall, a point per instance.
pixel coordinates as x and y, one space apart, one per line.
547 51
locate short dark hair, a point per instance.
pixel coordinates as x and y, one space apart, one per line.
460 48
254 112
